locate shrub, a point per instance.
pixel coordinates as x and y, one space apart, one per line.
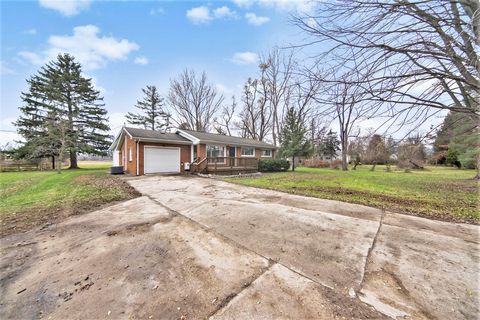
273 165
316 163
336 164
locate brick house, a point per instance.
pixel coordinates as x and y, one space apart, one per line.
142 152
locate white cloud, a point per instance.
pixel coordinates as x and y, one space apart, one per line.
245 57
32 57
224 12
66 7
300 6
255 20
243 3
5 70
30 32
199 15
141 60
223 89
90 49
157 11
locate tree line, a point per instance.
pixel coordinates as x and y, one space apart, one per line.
399 74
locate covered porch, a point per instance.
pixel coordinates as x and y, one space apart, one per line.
225 165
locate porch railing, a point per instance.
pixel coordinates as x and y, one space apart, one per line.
199 166
217 164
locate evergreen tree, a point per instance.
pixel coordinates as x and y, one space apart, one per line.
56 139
151 115
458 140
59 88
330 145
293 137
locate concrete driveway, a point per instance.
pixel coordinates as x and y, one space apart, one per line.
197 248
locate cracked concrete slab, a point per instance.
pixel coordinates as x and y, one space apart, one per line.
280 293
311 236
423 270
416 268
134 259
196 248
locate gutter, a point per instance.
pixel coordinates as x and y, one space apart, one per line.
163 141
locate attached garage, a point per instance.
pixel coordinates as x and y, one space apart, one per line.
161 159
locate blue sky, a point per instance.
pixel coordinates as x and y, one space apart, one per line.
125 45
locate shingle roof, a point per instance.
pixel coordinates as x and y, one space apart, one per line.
155 135
228 140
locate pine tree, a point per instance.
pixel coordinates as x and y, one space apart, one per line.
458 140
330 145
60 88
293 137
56 139
151 115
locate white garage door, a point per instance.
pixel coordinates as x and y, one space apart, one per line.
162 159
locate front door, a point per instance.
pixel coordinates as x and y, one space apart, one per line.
231 156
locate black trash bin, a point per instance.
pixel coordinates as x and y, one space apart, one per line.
116 170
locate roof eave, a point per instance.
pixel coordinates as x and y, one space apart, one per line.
162 140
239 144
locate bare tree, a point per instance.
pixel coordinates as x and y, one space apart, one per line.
349 103
376 152
278 67
422 56
256 116
194 101
224 124
356 151
411 153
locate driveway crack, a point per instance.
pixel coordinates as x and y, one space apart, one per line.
271 261
370 250
247 285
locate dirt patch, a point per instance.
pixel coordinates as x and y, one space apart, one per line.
26 220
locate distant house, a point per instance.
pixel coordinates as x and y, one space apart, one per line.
142 152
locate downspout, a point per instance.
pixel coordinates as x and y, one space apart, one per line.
137 157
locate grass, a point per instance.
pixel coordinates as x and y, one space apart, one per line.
437 192
27 198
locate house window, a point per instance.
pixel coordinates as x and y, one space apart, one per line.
267 153
130 158
215 152
248 152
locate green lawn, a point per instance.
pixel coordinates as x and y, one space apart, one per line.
440 192
26 197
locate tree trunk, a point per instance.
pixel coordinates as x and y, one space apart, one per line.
53 162
59 165
293 163
73 160
344 139
373 166
355 164
344 159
